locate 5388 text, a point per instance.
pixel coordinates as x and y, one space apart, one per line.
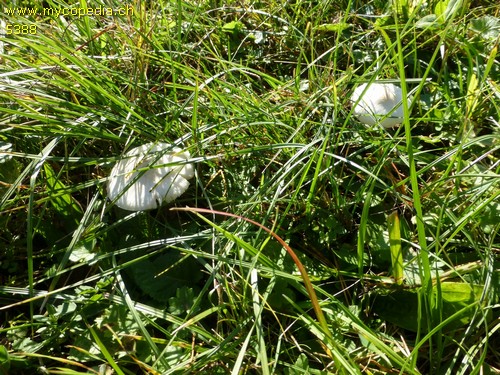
15 29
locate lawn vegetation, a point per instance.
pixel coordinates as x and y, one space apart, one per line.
307 242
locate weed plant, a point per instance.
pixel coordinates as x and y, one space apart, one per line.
398 230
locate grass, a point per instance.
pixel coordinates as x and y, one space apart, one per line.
258 93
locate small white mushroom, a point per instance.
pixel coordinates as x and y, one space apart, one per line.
157 183
379 103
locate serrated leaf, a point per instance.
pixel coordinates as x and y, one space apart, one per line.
487 26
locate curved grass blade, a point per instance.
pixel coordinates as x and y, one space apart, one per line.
305 277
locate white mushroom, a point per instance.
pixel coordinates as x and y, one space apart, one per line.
154 182
379 103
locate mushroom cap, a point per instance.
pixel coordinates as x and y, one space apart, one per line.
158 183
379 103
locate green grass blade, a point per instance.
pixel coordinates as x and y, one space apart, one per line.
395 247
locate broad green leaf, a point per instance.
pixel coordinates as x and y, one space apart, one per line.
400 307
440 7
83 251
233 27
4 360
447 9
301 366
488 27
454 6
162 276
182 302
